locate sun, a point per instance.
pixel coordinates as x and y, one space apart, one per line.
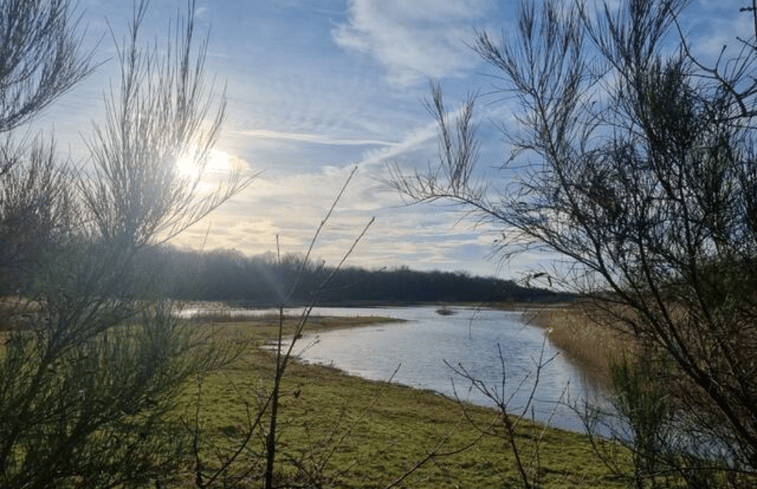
218 166
186 168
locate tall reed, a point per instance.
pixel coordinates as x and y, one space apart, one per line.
582 339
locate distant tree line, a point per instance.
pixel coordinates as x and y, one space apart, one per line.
264 280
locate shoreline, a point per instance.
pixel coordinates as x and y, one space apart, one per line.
582 341
324 323
375 430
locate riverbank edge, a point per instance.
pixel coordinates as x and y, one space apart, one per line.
587 344
395 426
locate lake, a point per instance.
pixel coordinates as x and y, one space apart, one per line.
415 352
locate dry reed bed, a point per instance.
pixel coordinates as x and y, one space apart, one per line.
585 340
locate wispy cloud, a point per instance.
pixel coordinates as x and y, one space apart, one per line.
316 87
715 25
413 40
312 138
291 206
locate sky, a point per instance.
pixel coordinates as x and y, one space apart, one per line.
317 88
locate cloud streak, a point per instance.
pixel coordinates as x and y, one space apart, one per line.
414 40
311 138
317 87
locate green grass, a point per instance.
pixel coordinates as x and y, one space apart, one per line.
358 433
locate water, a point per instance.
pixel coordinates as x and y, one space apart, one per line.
421 352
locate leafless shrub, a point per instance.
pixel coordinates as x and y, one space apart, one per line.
635 164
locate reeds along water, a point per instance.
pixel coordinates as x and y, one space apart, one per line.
582 339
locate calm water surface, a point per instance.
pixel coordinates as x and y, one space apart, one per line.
471 338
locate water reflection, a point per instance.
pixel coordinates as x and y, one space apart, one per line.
471 339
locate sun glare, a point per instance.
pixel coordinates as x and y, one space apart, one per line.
219 165
187 168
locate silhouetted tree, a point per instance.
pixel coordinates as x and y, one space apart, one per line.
92 362
635 162
40 59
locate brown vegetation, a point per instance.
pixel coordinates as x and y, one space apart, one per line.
583 338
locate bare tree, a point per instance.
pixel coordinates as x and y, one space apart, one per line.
635 162
138 193
37 207
88 384
40 57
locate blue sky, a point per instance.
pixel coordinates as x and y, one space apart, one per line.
316 88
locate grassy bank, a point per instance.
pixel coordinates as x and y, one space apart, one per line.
343 431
